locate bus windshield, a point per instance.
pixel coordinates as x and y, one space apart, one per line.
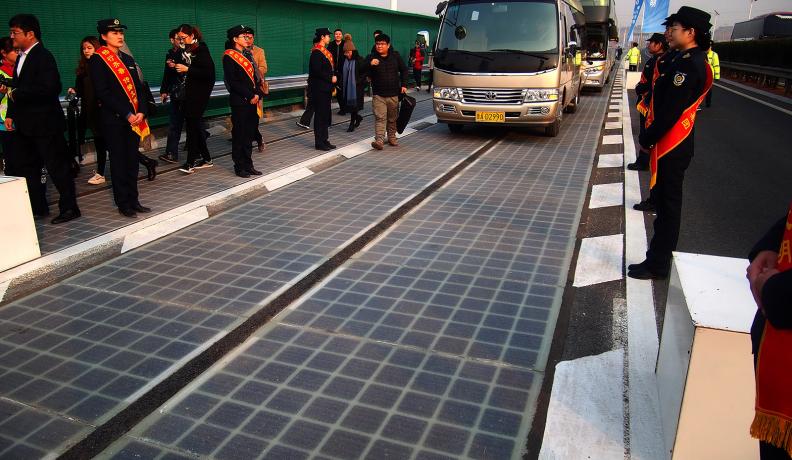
504 36
596 41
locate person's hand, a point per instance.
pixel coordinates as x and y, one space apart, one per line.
335 79
163 97
758 285
135 119
181 68
71 91
9 124
375 62
404 90
255 100
170 63
764 262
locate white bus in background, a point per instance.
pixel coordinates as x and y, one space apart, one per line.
507 62
600 43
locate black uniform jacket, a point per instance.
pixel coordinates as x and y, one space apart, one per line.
680 83
777 291
241 88
35 107
338 54
200 82
644 87
320 73
114 104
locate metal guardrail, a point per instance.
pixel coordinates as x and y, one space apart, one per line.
276 84
764 71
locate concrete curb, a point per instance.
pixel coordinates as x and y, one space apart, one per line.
44 271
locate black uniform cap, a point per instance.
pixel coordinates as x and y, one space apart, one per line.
236 31
106 25
690 17
322 31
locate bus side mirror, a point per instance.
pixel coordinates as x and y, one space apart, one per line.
440 7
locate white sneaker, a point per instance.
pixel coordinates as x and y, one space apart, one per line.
97 179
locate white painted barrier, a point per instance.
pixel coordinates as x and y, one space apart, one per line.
18 240
705 374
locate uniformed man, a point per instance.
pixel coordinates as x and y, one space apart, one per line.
714 62
634 57
676 94
321 79
244 88
124 112
657 46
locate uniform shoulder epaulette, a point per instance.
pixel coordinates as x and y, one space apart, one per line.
686 55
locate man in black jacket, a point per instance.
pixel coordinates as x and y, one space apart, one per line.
124 110
34 112
388 80
244 89
321 79
172 88
336 48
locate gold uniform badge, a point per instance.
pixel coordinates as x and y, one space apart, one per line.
679 78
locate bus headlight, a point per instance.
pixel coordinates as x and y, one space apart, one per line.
451 94
541 95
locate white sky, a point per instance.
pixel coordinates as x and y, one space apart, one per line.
731 11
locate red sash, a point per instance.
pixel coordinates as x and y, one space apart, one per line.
326 53
247 66
773 420
127 84
678 133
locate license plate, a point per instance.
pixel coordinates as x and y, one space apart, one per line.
491 117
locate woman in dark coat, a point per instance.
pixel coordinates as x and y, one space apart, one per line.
353 82
200 70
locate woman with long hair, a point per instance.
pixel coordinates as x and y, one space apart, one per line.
199 69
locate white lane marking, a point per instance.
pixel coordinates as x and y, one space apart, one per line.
614 107
613 160
644 425
166 227
585 417
612 139
605 195
751 89
782 110
615 115
613 125
287 179
599 260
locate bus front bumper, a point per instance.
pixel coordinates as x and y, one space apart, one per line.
526 114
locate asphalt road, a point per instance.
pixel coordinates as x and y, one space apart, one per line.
740 180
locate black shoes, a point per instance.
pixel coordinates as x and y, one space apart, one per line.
357 120
342 112
643 271
638 166
254 172
645 206
330 146
140 208
127 212
326 147
151 169
241 173
351 126
66 216
168 158
303 125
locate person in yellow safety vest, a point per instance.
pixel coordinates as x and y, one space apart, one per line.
714 62
634 57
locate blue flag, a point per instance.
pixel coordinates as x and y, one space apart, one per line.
655 14
636 13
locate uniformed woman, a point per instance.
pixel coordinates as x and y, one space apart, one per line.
321 80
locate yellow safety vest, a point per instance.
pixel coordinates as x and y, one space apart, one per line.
634 55
714 62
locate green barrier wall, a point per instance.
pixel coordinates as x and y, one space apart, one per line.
283 28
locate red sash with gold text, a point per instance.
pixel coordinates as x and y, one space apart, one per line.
326 53
773 420
247 66
678 133
127 84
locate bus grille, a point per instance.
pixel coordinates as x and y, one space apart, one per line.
493 96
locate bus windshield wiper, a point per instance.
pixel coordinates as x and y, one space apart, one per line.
469 53
527 53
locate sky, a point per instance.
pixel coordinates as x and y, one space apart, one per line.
731 11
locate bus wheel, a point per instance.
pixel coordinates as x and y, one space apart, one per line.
554 129
455 128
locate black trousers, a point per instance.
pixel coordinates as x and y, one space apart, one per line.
196 140
101 154
708 99
244 127
417 77
667 197
33 152
306 117
123 144
770 452
322 118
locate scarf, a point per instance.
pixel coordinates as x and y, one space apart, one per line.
773 420
326 53
350 82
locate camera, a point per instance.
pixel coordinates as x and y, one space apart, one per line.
8 82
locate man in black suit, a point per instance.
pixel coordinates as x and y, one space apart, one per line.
35 113
124 110
321 79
